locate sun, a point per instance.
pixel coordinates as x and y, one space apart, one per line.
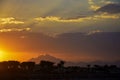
1 55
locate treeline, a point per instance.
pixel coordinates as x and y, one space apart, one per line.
43 66
16 66
50 70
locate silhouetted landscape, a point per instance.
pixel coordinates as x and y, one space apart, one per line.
47 70
59 39
47 67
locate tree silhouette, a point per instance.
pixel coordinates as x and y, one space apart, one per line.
61 64
27 66
14 70
13 65
46 66
89 68
4 66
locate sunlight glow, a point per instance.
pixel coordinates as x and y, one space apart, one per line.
1 55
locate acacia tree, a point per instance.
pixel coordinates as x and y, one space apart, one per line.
46 66
61 64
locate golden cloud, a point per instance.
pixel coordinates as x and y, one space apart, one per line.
94 17
10 20
59 19
93 32
107 2
15 29
93 6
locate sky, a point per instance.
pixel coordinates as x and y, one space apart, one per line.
25 25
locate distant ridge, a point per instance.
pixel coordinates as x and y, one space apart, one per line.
48 57
45 57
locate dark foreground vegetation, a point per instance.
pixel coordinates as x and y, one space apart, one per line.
46 70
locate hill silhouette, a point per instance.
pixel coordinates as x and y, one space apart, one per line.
51 58
45 57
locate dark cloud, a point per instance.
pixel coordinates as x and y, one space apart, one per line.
100 45
115 0
110 8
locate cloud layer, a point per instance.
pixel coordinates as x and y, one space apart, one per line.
56 25
59 16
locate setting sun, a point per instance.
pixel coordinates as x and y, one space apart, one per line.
4 56
1 55
7 55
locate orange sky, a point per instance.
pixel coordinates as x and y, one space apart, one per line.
29 28
5 56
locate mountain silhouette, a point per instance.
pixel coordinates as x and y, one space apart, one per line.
45 57
51 58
